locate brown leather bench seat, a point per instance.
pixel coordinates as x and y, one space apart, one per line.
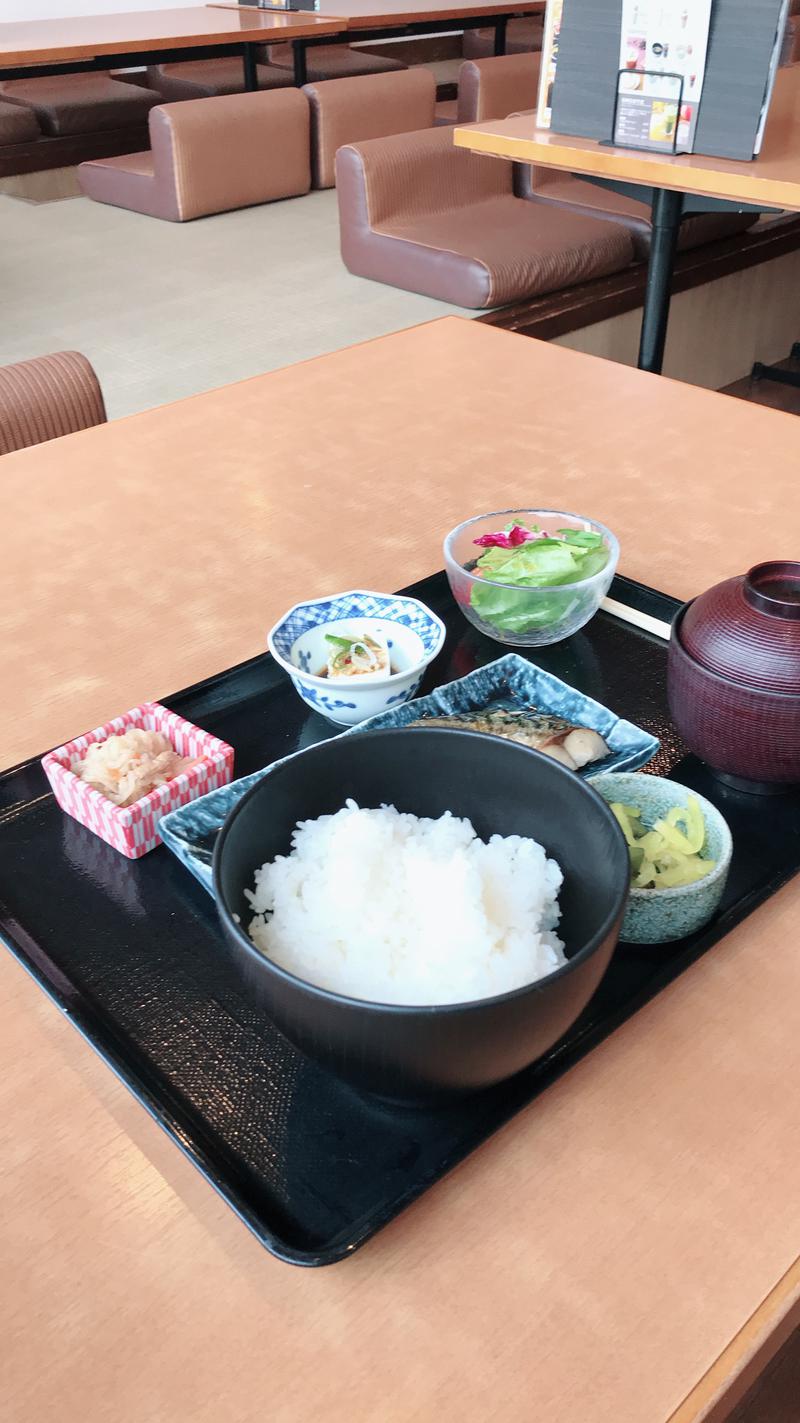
209 78
17 125
80 103
522 36
334 61
550 187
417 213
211 156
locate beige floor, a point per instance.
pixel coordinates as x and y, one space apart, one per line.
164 310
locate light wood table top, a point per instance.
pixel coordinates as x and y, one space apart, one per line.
377 14
84 36
771 180
626 1247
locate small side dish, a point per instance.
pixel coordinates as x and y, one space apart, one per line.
121 779
670 854
353 655
530 577
680 853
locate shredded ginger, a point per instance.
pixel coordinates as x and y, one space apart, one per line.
125 768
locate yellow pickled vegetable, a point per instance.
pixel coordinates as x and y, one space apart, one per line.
624 814
666 856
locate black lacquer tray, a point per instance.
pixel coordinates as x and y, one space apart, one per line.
130 951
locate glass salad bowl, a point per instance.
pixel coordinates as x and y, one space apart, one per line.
530 577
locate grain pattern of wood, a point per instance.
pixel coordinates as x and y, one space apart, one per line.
598 1257
380 14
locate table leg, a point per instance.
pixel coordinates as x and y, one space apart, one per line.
500 35
250 68
667 211
300 68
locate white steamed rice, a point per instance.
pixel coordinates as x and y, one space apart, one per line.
379 905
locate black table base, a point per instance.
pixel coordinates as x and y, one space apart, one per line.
667 213
668 210
101 62
792 378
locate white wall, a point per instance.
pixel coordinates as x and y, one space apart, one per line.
58 9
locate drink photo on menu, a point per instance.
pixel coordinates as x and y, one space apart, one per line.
662 57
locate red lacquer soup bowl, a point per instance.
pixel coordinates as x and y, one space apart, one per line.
747 629
742 731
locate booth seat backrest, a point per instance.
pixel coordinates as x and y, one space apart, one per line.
47 397
411 175
374 106
230 151
494 88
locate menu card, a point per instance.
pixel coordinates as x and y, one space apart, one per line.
585 81
718 55
663 46
778 53
744 42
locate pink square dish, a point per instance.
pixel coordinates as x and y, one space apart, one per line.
133 829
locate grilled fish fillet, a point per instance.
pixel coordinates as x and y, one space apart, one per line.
574 746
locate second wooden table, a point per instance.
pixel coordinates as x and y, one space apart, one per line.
40 48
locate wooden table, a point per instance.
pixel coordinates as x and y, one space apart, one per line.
99 42
396 19
626 1250
679 184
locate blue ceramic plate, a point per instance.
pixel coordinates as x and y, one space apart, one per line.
510 682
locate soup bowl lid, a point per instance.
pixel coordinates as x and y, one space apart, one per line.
747 629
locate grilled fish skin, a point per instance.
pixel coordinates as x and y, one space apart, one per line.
574 746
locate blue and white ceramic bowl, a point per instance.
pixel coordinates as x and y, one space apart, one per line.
413 635
658 916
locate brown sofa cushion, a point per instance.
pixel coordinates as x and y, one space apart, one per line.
334 61
347 110
210 156
47 397
521 37
418 213
494 88
209 78
578 195
80 103
18 125
129 181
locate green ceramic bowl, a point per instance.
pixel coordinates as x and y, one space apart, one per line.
657 916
